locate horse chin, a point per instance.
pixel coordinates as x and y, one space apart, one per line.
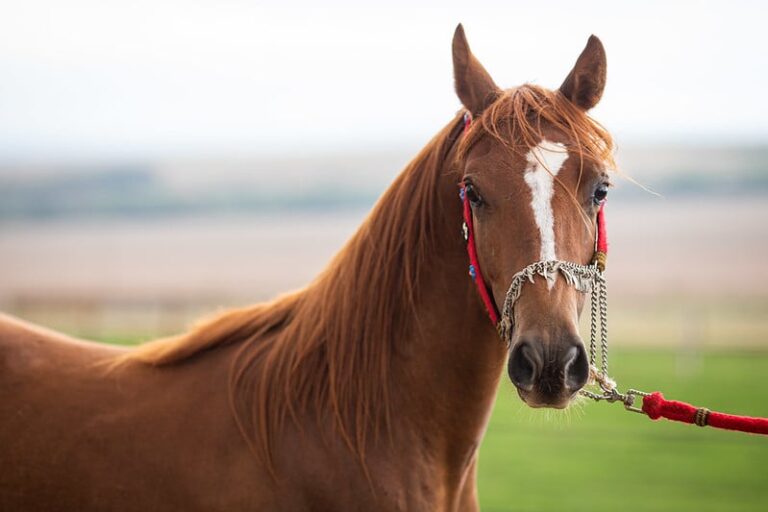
537 401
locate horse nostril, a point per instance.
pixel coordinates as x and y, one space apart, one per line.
523 366
576 368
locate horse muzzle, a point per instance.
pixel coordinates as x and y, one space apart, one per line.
548 374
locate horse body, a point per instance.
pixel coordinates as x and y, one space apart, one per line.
79 435
368 390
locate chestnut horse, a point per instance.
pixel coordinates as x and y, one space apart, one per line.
371 388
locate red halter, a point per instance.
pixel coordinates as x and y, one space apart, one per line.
474 265
599 259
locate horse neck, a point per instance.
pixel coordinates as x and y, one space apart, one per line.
448 366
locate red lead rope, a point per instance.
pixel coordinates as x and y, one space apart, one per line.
656 406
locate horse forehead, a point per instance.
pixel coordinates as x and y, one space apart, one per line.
543 163
550 156
547 157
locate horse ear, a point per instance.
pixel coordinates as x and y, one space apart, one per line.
474 85
585 83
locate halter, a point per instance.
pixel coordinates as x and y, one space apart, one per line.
584 278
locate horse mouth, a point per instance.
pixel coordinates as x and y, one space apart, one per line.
537 400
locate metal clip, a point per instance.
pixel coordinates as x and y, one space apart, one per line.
613 395
629 400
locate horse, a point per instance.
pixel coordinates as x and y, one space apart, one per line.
369 389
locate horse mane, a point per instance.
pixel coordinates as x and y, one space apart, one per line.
327 348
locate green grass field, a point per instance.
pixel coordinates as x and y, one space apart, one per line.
597 456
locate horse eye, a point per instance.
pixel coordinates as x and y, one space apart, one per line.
473 195
601 193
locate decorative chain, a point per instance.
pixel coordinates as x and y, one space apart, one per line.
592 329
581 277
602 300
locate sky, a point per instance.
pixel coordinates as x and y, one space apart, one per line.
98 79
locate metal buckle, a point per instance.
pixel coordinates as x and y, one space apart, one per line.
613 395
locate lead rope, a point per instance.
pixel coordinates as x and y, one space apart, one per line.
654 405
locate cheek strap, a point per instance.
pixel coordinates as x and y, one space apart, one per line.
474 265
601 246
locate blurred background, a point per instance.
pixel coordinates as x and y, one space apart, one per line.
162 159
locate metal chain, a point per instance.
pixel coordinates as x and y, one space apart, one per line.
599 316
593 300
603 305
609 390
581 277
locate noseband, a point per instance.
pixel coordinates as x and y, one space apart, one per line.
584 278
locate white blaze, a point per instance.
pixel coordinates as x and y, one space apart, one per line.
544 162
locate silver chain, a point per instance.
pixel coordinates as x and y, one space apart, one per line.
581 277
592 329
602 301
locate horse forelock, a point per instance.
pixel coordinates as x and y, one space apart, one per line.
516 120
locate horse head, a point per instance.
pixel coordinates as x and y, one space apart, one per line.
534 172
